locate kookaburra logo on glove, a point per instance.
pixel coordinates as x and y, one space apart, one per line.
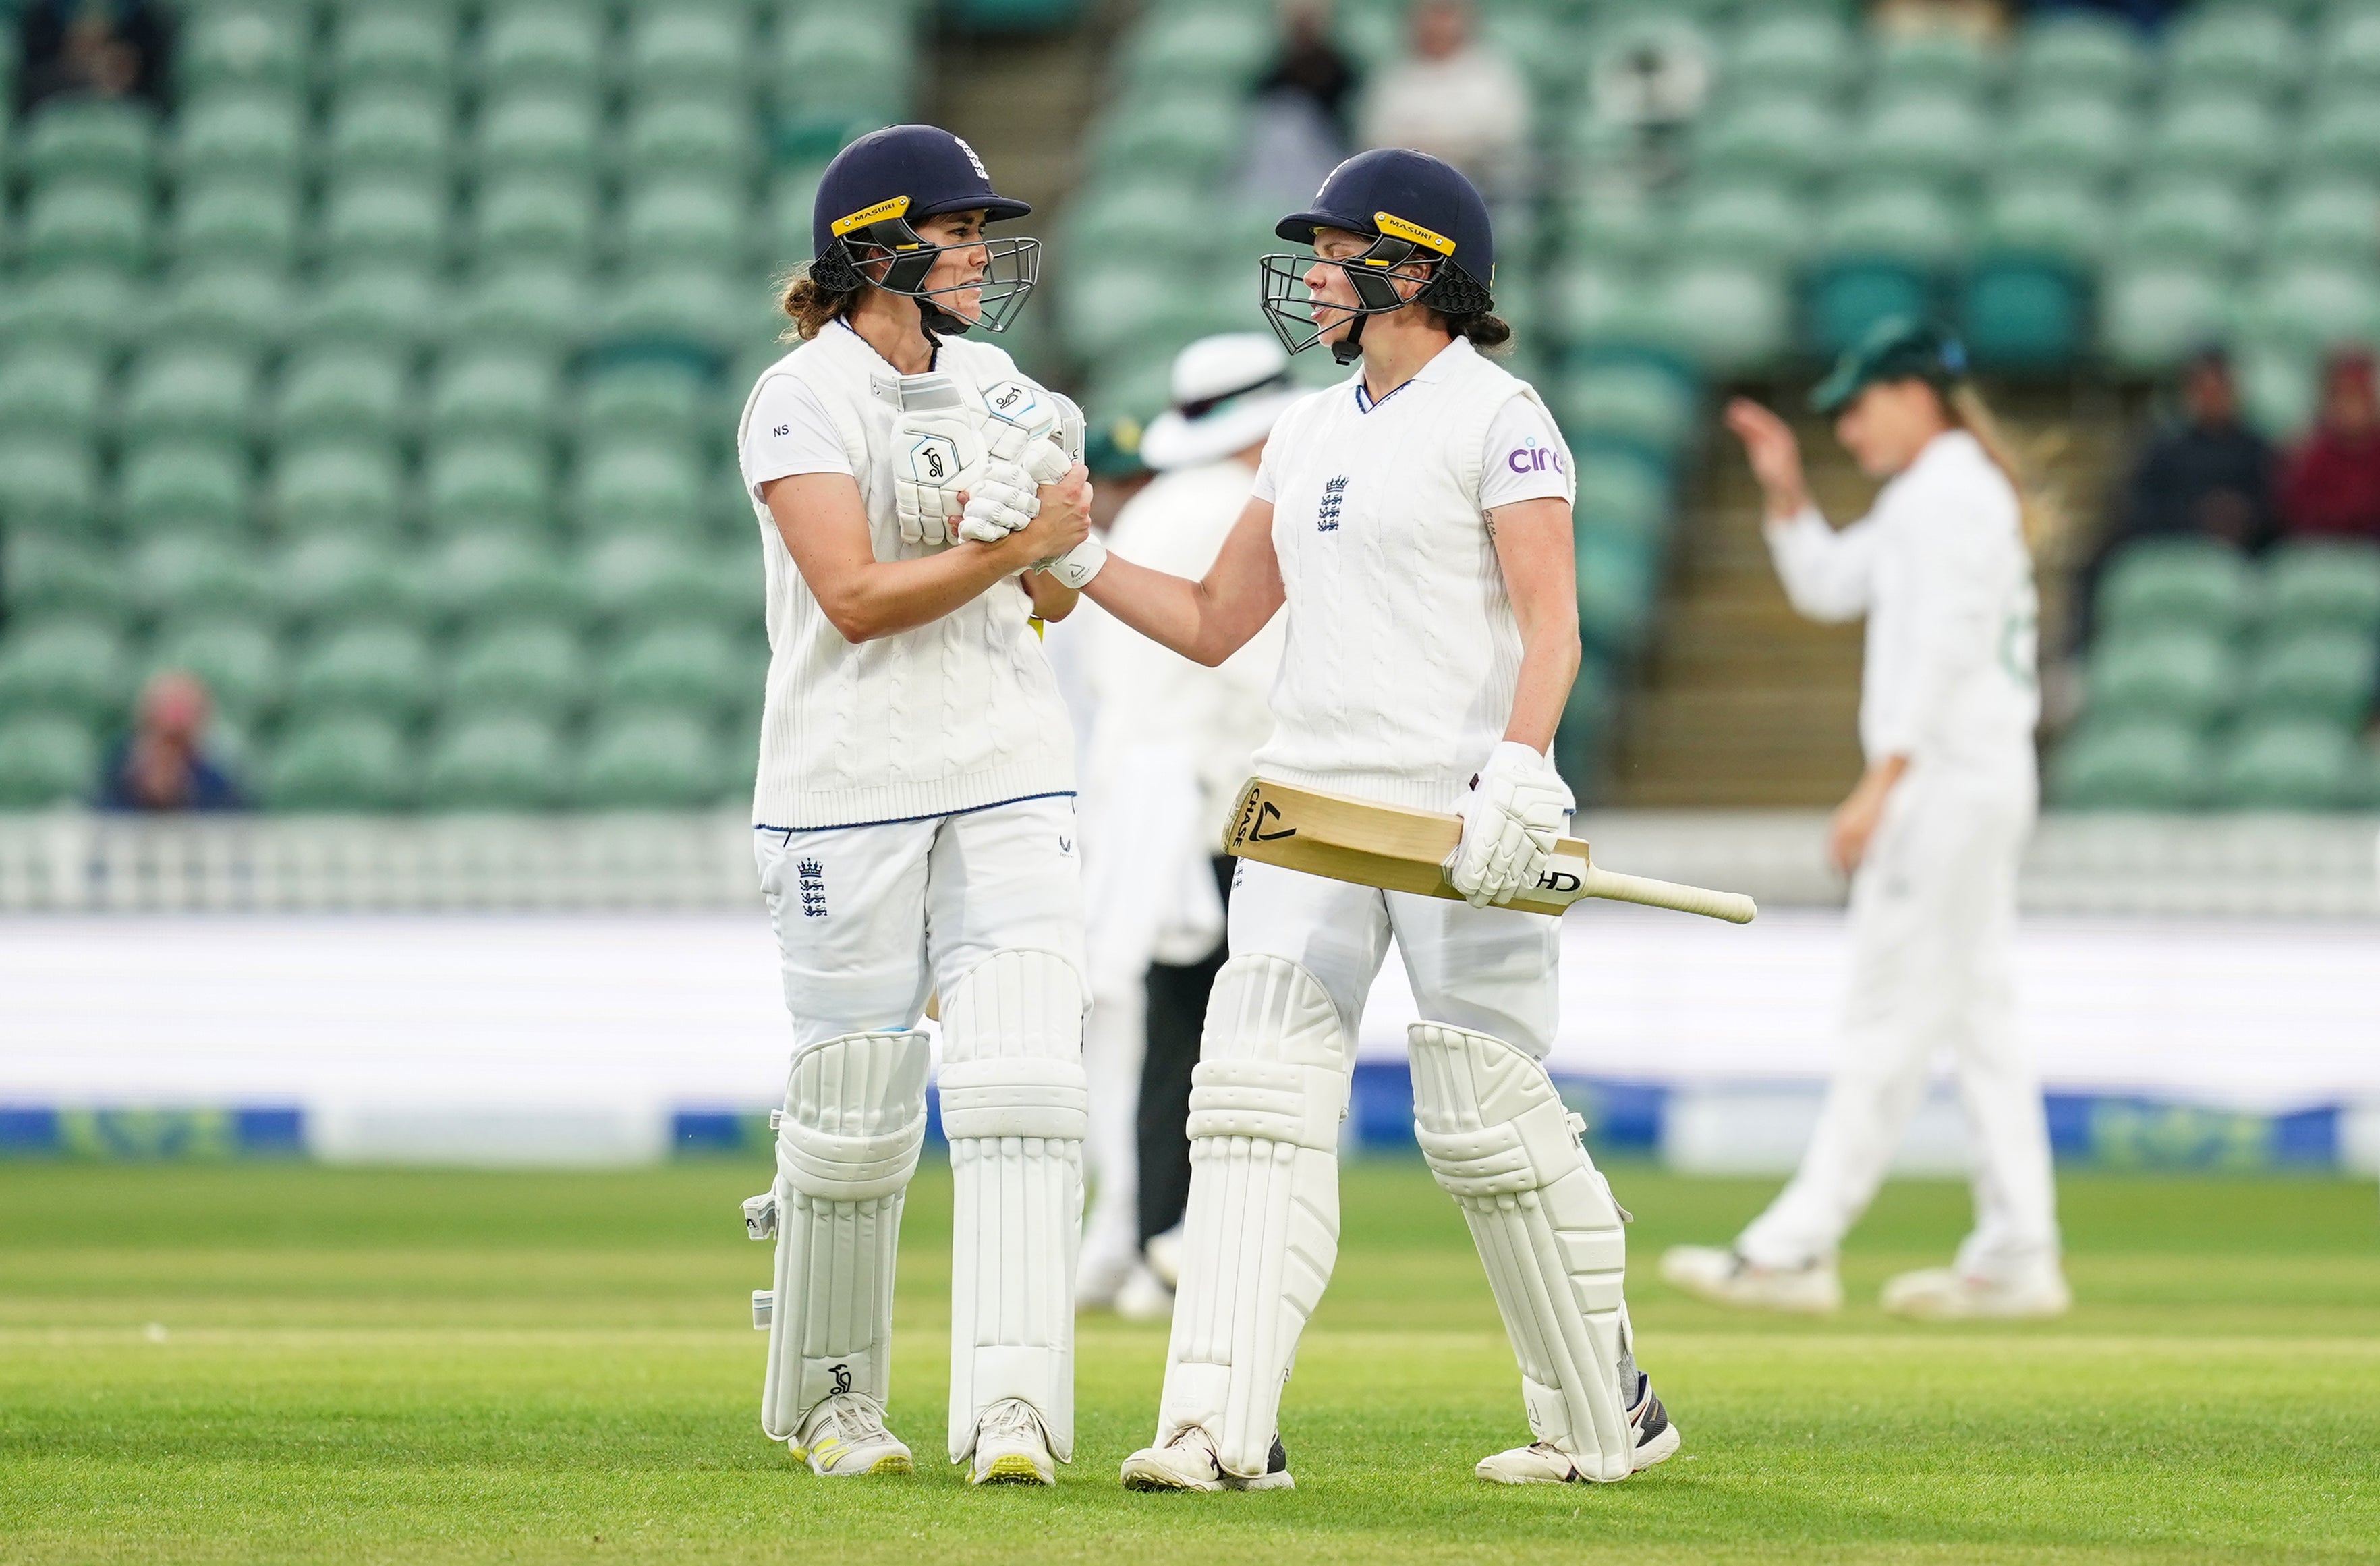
1020 432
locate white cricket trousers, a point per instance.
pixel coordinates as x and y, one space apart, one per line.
1932 917
1492 970
869 919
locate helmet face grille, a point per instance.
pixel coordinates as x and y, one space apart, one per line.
1011 269
1300 320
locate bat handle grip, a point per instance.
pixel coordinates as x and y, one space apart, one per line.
1732 907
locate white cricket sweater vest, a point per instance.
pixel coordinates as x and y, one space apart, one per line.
953 716
1403 654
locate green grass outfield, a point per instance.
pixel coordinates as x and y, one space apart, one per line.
263 1363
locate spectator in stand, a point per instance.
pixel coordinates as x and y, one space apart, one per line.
2331 487
165 766
1454 99
1298 132
104 48
2207 475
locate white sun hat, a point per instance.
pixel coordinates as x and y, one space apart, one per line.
1228 390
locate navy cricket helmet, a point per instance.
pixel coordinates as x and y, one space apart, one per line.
877 188
1417 210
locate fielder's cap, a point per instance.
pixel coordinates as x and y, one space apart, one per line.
1111 448
1411 195
1228 392
904 170
1896 348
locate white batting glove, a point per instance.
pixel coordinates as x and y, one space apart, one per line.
1021 434
1512 819
1004 499
937 450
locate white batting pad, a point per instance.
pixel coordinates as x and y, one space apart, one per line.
1015 1108
847 1142
1262 1230
1499 1142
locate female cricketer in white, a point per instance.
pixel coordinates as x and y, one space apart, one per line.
1931 837
914 816
1416 521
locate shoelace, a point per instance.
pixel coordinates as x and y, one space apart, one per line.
1011 1419
856 1420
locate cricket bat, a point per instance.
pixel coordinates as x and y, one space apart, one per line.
1402 850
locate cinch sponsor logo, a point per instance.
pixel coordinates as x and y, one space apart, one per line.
1531 458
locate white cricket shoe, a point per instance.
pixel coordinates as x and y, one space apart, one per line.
1143 1297
1541 1462
1188 1463
1011 1448
845 1437
1723 1277
1944 1293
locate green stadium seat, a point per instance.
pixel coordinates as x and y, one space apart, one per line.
1935 64
2023 312
206 393
2091 140
648 399
478 392
1632 398
44 577
1619 491
2347 54
1729 316
2289 764
682 220
241 46
332 579
1220 49
45 760
340 762
236 660
189 575
641 760
2169 673
2340 136
638 581
2311 587
2226 136
689 50
1929 136
1190 136
2205 223
495 762
534 217
2064 219
379 48
333 392
1773 54
1106 307
180 485
383 670
693 668
109 141
2233 49
404 135
48 485
540 134
537 669
1898 222
83 224
2141 765
73 668
1844 299
624 487
1758 225
505 577
1796 140
683 309
2182 584
260 136
2076 54
249 223
2308 308
383 306
786 222
1615 588
2326 219
557 48
384 220
525 307
704 137
2154 313
91 310
477 483
51 390
229 307
337 486
2329 675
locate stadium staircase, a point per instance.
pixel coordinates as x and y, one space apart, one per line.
1021 101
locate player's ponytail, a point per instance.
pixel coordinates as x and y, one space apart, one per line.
1487 331
810 306
2037 508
